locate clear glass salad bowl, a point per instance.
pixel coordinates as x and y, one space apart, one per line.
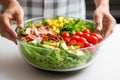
56 59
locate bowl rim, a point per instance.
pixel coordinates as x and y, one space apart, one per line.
37 18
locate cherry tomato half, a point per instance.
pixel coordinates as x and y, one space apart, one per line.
86 35
81 39
75 37
79 33
80 44
67 40
86 31
72 42
86 43
100 38
65 34
93 39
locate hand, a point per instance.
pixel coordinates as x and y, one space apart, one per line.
104 21
12 13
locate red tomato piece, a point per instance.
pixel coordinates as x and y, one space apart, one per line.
86 43
65 34
75 37
86 35
86 31
72 42
81 39
79 33
67 40
93 39
100 38
80 44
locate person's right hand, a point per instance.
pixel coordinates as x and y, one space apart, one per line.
13 12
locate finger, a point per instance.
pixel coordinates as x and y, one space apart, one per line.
109 30
9 36
19 19
5 24
111 24
98 21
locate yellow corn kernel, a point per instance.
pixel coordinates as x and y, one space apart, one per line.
57 31
48 20
61 19
61 25
54 28
64 20
55 21
51 24
57 25
38 24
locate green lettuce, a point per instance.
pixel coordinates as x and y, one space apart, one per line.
77 25
49 58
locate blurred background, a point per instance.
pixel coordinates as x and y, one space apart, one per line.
114 9
90 6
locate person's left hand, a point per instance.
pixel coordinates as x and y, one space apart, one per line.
104 21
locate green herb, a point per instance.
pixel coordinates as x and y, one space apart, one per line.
56 17
22 31
29 24
43 22
90 25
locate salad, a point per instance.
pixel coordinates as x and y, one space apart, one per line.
59 43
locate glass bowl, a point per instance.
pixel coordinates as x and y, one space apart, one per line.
54 59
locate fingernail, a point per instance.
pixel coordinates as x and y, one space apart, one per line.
21 25
99 28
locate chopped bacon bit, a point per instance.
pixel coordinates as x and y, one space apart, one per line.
52 37
43 32
30 37
47 28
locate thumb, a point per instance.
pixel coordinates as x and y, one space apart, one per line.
98 21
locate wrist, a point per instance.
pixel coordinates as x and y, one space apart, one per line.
103 8
102 3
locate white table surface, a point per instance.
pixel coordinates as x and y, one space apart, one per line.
106 66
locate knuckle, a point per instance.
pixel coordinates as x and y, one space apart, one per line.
19 13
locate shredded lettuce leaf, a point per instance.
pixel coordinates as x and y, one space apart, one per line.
52 59
29 24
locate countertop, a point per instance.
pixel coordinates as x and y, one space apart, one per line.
106 66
